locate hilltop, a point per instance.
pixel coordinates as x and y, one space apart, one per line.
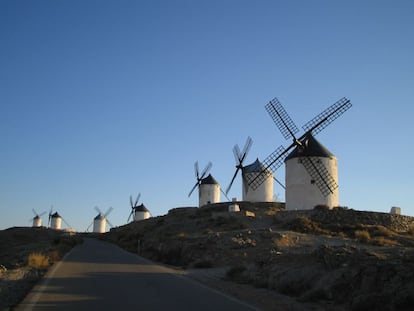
319 259
285 260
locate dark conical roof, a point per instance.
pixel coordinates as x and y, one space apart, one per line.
209 180
55 215
313 148
99 217
255 167
141 208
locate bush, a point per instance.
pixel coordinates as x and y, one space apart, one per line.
37 260
306 225
362 235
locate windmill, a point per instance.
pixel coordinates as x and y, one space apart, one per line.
55 220
138 212
208 187
37 219
264 193
99 222
311 170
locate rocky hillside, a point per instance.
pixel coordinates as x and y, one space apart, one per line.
321 259
25 256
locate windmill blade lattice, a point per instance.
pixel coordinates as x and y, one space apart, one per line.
66 223
108 212
271 163
325 182
198 176
206 169
133 205
281 118
322 177
136 201
130 215
109 223
98 210
326 117
50 216
239 158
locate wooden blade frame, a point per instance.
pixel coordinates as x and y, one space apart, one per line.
326 117
318 172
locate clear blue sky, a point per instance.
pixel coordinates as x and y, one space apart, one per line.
103 99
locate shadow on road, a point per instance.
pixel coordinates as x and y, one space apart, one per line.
101 275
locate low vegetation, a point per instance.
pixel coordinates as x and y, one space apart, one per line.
38 261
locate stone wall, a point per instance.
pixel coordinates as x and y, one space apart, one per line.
395 222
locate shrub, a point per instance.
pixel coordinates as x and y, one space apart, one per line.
305 225
362 235
37 260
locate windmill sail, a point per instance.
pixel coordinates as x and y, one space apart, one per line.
325 182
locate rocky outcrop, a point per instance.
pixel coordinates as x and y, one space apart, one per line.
399 223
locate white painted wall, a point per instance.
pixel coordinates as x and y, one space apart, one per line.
395 210
141 215
208 193
56 223
300 193
234 207
264 193
99 225
37 222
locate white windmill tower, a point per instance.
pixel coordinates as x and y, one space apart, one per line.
208 187
100 220
37 219
311 170
138 212
264 192
55 220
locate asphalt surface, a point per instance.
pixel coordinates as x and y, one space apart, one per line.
98 275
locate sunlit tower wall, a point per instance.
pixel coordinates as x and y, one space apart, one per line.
56 221
99 224
209 191
141 213
301 192
263 193
37 221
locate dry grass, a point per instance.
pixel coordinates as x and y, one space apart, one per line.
306 225
411 230
362 236
284 241
382 241
272 211
38 260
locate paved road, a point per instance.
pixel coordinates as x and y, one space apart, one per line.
97 275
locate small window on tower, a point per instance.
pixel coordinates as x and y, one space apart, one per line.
312 181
